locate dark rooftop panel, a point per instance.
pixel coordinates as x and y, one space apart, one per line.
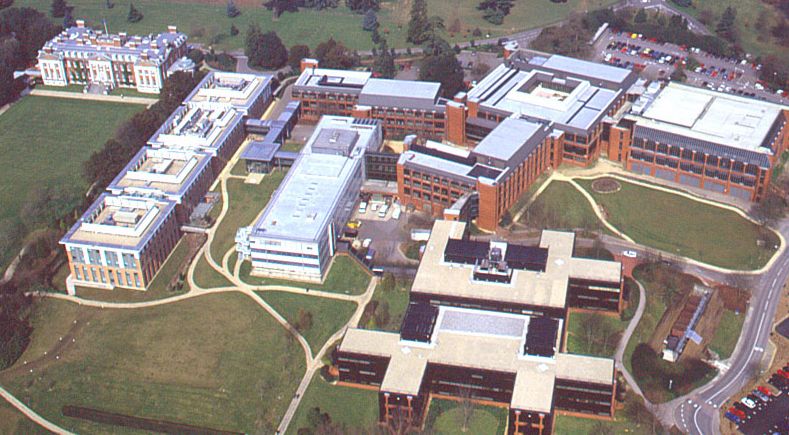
526 257
541 336
465 251
484 171
419 322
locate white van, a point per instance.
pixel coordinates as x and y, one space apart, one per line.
363 207
382 211
396 212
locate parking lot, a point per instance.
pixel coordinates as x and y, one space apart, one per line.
760 413
656 60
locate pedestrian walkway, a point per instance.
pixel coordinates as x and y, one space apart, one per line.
93 97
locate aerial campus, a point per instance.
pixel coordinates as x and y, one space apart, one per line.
567 241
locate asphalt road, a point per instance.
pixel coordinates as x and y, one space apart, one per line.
700 413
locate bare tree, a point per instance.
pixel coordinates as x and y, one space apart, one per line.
466 407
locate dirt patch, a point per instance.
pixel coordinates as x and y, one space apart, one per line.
734 299
606 185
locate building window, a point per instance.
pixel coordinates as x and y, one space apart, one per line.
129 261
94 256
77 255
112 258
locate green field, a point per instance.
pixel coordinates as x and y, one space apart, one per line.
206 277
44 142
569 425
560 206
345 276
727 333
748 12
170 362
445 418
246 202
594 334
397 302
352 407
207 22
682 226
328 315
13 422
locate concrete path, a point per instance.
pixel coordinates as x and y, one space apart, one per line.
631 327
93 97
29 413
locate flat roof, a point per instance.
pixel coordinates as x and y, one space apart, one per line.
716 117
338 79
546 289
119 221
240 90
584 68
200 126
310 193
400 93
480 340
512 137
160 171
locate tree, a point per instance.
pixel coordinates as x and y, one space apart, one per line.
418 25
6 3
296 54
15 328
320 4
265 50
725 27
384 63
58 8
679 74
466 407
233 30
108 4
231 9
370 21
333 54
362 6
135 16
770 209
304 322
382 315
443 67
641 16
494 11
68 19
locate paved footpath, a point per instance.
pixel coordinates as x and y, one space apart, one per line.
29 413
93 97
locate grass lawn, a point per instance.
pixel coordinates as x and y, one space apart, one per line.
328 315
206 277
727 333
561 206
166 362
445 418
240 168
748 12
682 226
47 145
345 276
411 249
246 202
606 331
396 300
208 23
158 288
68 88
352 407
292 145
570 425
13 422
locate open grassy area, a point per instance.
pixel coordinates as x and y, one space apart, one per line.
328 315
445 418
561 206
345 276
727 333
158 288
594 334
206 277
352 407
682 226
395 302
246 202
571 425
208 23
755 39
44 143
166 362
13 422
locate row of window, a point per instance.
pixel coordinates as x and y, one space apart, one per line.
94 258
284 253
84 273
698 170
698 157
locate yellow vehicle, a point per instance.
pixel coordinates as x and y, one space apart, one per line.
354 225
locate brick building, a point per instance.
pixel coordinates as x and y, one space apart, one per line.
487 321
81 55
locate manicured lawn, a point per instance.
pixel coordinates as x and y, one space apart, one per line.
206 277
445 418
328 315
345 276
291 145
209 23
44 143
13 422
685 227
561 206
727 333
748 12
246 202
594 334
568 425
396 302
351 407
158 288
240 168
216 361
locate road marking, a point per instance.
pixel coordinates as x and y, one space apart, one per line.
758 349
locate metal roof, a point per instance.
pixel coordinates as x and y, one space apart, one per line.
400 93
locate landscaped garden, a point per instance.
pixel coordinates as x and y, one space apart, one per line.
682 226
449 417
387 308
346 406
594 333
172 362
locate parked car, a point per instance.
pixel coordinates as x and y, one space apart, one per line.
737 412
761 396
733 417
764 390
362 207
748 402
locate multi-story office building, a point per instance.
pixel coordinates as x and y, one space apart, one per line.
81 55
138 220
296 234
487 321
703 139
404 107
121 240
